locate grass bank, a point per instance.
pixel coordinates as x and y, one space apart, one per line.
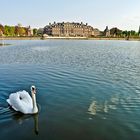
69 38
20 38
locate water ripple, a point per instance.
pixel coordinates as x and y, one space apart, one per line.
73 78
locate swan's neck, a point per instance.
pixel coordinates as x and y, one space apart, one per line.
35 109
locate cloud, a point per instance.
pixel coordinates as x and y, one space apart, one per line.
132 18
130 22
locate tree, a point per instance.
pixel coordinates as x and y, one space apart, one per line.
12 31
139 31
1 28
9 30
115 32
40 31
20 31
133 33
34 31
16 30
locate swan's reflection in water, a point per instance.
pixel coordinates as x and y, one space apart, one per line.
20 118
36 129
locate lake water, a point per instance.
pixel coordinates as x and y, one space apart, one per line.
86 90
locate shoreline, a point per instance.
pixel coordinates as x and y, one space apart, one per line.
68 38
20 38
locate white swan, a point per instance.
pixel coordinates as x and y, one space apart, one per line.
21 101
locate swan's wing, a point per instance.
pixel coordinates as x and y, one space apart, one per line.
14 101
21 101
25 97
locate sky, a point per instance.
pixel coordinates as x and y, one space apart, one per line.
124 14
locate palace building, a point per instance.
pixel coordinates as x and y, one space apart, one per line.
67 29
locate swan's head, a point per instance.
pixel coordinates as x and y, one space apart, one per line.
33 89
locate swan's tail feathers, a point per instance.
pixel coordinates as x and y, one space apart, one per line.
8 101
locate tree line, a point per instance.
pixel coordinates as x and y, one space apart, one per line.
115 32
13 31
18 30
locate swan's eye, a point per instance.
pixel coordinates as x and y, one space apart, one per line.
33 88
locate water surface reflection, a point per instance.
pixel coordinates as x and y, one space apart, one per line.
73 77
20 118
